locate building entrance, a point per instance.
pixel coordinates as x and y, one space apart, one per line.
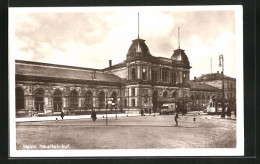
19 98
57 102
155 100
39 101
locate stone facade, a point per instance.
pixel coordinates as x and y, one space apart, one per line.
215 91
142 81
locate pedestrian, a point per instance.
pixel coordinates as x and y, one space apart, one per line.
229 112
142 112
194 118
176 119
94 115
150 111
62 115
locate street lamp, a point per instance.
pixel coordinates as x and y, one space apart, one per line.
116 110
93 77
221 63
109 102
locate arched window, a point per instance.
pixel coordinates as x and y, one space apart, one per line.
174 78
165 75
133 74
73 99
19 98
114 96
192 102
155 100
57 102
174 94
203 97
101 100
153 79
155 75
89 99
144 74
165 94
39 100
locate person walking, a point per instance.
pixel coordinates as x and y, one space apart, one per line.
62 114
176 118
228 112
94 115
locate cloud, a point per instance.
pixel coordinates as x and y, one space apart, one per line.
90 39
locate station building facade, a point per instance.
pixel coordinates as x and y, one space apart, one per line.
142 81
208 87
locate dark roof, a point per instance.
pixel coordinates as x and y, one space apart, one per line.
213 76
179 55
55 65
58 71
119 65
138 49
201 86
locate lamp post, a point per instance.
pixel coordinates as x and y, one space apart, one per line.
128 99
109 102
106 113
116 110
221 63
92 78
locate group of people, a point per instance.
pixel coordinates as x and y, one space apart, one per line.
143 111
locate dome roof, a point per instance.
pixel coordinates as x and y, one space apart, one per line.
138 49
179 55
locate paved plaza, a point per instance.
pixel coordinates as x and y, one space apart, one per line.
136 132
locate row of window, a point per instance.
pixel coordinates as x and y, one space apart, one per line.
165 93
231 85
73 99
166 75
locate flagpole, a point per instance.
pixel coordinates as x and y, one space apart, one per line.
138 25
221 57
179 36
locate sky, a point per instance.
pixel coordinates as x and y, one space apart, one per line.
93 36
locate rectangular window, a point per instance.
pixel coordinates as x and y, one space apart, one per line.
133 91
133 102
155 75
144 73
164 76
125 103
184 78
174 78
152 75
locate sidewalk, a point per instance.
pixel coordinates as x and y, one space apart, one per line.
71 117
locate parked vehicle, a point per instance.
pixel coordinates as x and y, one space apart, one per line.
168 108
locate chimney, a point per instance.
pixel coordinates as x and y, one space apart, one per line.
110 63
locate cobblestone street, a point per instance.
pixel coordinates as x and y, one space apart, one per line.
147 132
